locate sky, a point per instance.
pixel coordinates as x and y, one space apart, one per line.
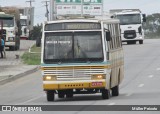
146 6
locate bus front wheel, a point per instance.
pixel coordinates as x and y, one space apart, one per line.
105 94
50 95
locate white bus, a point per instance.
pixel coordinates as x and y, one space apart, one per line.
81 56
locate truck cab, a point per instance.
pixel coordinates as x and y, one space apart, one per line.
9 31
131 22
24 27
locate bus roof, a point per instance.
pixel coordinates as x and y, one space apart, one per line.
94 20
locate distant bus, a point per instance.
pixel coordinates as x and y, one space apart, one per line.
81 56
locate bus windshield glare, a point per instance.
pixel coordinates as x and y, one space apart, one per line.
129 19
73 47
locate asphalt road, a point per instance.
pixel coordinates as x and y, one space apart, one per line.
141 85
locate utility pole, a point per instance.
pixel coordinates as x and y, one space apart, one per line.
30 1
81 8
47 11
52 9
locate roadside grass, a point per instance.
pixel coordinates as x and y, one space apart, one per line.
33 57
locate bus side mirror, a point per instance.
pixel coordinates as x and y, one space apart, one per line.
144 17
108 36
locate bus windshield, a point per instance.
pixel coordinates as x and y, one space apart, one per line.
73 47
8 22
129 19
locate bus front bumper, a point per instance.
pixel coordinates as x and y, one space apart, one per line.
62 85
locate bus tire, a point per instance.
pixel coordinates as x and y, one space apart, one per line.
105 94
141 42
115 91
61 94
50 95
69 93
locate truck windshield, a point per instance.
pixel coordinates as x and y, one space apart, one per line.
73 47
129 19
23 22
8 22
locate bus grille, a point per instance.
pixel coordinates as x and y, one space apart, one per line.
74 73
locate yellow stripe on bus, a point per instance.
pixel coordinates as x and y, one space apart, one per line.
86 85
75 67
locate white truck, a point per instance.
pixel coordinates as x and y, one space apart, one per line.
131 21
24 27
10 27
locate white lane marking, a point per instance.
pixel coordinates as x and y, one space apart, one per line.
129 94
140 85
158 68
30 100
150 76
111 103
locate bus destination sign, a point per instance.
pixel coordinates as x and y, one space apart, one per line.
72 26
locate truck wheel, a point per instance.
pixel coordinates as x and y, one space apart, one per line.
115 91
69 94
141 42
105 94
50 95
61 94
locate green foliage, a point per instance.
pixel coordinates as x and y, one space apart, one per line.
35 49
36 32
152 26
32 58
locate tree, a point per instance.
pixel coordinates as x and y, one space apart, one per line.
152 26
36 32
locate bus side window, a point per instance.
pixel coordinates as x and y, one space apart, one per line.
114 36
117 35
111 42
108 42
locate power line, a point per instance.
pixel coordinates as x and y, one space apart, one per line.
47 11
30 1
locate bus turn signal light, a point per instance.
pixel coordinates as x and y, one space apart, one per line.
98 77
49 78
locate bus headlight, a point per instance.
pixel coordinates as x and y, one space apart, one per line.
98 77
49 78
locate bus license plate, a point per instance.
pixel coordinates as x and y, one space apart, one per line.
97 84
